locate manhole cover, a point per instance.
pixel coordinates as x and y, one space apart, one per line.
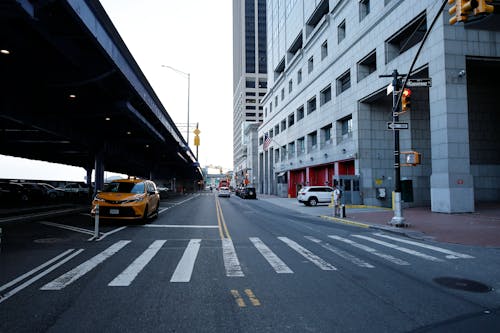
48 240
463 284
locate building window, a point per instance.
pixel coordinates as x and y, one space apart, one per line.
326 134
282 93
343 82
346 127
300 113
280 69
367 65
301 148
291 150
263 84
324 50
341 31
312 141
290 86
265 112
311 105
250 93
299 76
277 129
364 9
283 153
406 38
250 83
310 65
291 120
271 133
275 101
325 95
283 125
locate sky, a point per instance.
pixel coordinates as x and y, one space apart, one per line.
192 36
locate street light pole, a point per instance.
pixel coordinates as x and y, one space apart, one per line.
188 75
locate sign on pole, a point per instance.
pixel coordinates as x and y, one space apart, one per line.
419 82
397 126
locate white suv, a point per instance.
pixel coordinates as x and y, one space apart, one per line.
312 195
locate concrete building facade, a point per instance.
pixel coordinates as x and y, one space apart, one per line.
249 78
327 108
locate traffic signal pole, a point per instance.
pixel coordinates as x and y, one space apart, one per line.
398 219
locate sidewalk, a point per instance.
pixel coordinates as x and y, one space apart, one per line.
481 228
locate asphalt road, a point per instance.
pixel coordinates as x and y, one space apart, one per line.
210 264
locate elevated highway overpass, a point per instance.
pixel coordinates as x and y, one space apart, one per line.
72 93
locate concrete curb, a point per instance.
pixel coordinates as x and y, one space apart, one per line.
399 231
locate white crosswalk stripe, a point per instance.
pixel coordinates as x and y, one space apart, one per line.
308 254
355 260
371 250
399 248
76 273
131 272
231 262
450 254
185 266
273 260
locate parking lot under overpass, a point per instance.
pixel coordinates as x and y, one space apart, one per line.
73 94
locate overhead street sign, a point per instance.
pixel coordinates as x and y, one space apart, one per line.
397 126
419 82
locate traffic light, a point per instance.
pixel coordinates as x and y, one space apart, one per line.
461 10
406 100
483 7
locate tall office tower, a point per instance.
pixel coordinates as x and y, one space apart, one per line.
249 83
329 105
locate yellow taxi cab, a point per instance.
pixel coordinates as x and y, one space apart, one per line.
128 199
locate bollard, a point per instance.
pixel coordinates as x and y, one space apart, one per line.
342 210
96 229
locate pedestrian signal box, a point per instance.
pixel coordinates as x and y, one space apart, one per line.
411 158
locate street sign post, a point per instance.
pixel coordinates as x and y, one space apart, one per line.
397 126
419 82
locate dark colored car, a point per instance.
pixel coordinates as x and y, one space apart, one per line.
248 193
13 193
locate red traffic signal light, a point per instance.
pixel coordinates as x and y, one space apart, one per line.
406 100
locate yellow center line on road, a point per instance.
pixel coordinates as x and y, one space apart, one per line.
238 299
223 231
254 300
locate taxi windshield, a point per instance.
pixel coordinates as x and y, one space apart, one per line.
120 187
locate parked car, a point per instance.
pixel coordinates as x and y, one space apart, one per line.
35 191
224 192
312 195
128 199
12 193
52 192
248 193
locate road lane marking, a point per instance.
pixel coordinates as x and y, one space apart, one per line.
251 296
308 254
110 233
76 273
231 262
239 300
221 221
399 248
179 226
185 266
68 227
14 291
371 250
130 273
276 263
349 257
34 270
450 254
